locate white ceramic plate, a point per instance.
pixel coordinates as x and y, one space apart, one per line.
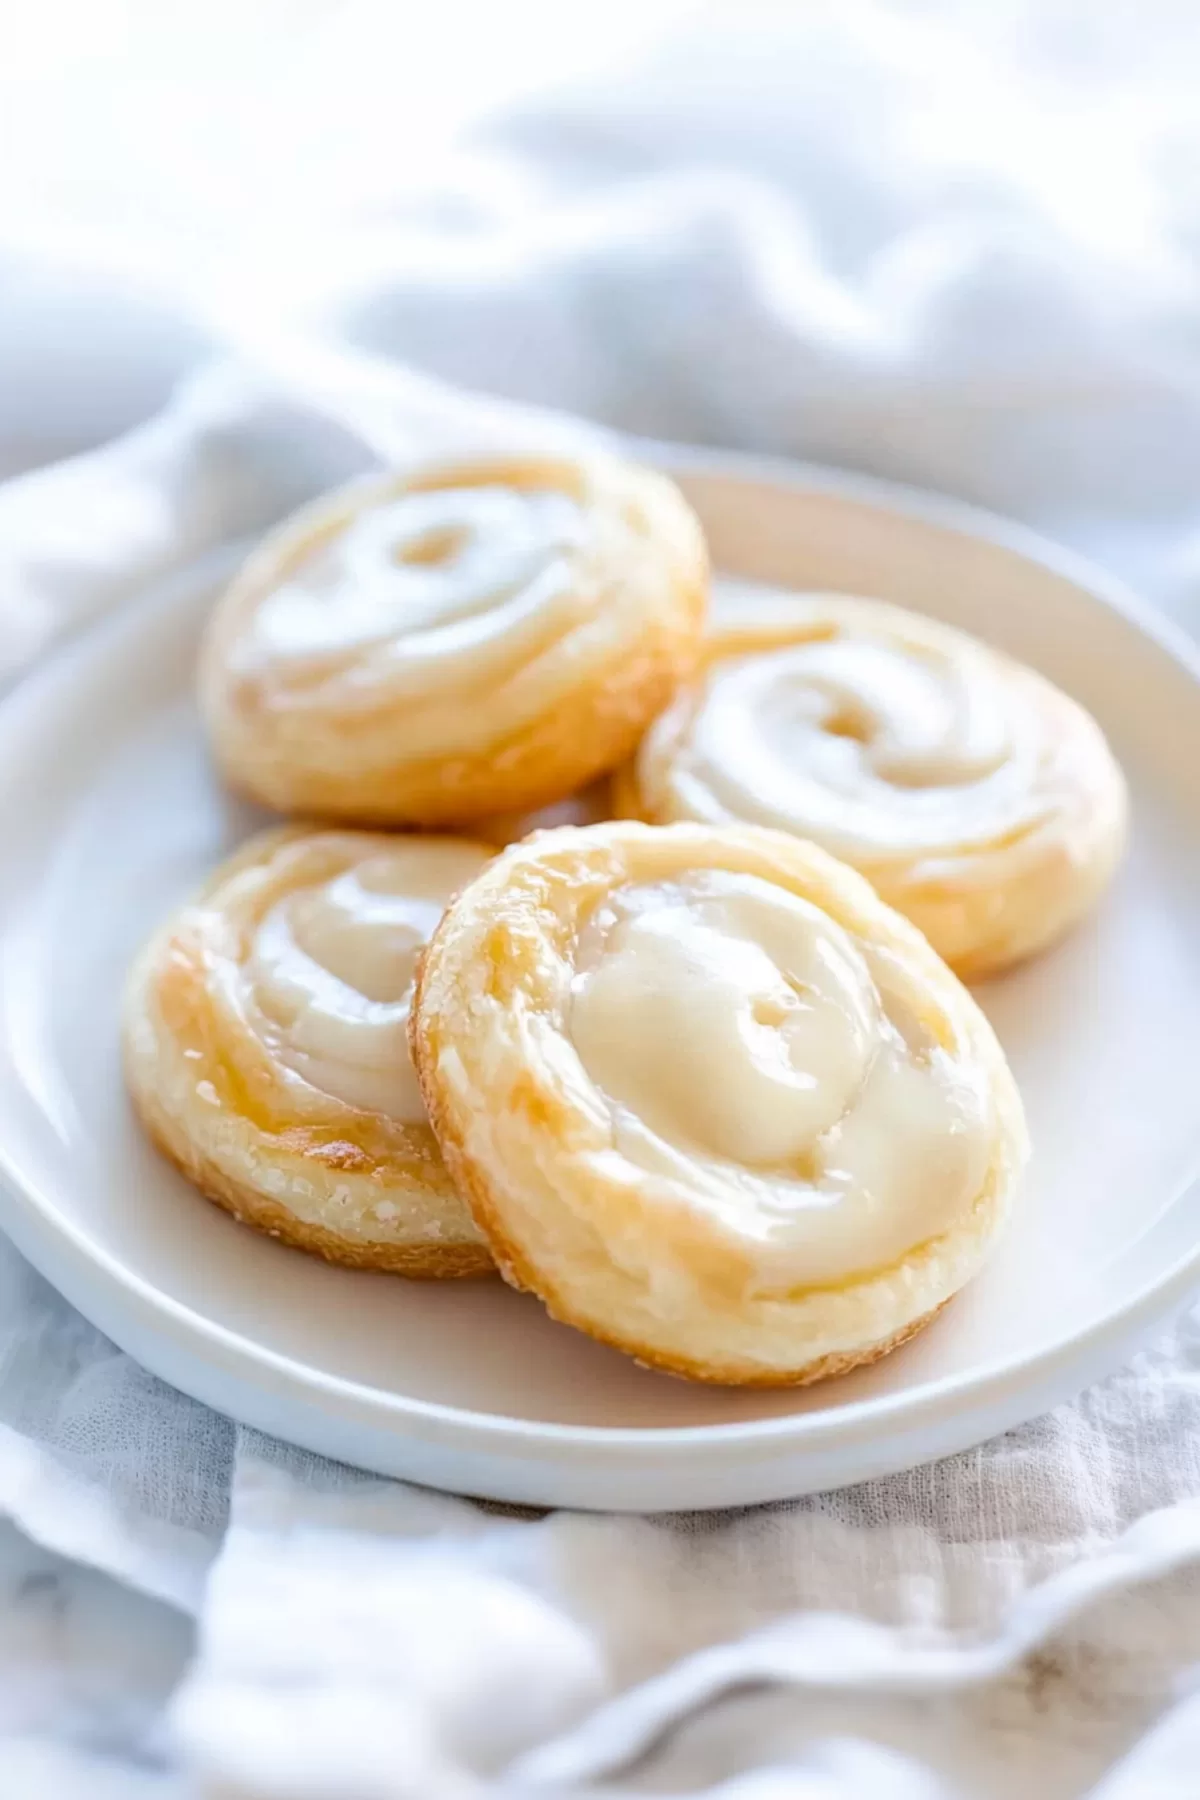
108 816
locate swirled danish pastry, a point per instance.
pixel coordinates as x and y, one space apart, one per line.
712 1100
463 640
266 1048
976 797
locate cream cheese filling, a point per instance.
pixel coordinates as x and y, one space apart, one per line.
439 585
765 1066
881 751
328 983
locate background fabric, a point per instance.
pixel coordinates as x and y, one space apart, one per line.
860 234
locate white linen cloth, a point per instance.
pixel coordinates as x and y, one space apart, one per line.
828 236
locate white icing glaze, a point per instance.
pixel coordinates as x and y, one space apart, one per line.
454 585
329 978
761 1061
881 747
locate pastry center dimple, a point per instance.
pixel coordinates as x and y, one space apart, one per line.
437 544
872 748
844 723
916 721
433 567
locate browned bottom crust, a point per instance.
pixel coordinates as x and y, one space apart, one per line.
419 1262
825 1368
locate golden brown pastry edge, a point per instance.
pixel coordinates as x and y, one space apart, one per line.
578 738
989 1209
165 996
251 1208
1011 922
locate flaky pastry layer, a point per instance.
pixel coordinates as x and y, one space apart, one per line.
470 690
535 1149
352 1185
977 798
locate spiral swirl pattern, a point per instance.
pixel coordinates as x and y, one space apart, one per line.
752 1050
975 797
266 1046
711 1098
466 640
328 979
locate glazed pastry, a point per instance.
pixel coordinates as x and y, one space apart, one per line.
978 799
473 638
712 1100
266 1048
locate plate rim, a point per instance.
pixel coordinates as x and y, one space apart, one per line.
438 1423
